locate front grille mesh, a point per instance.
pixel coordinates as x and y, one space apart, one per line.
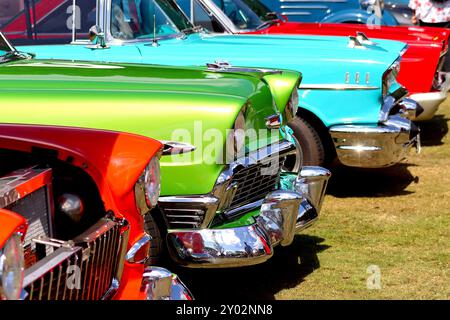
85 274
34 208
251 182
255 182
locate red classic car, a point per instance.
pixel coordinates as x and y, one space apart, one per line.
70 211
420 67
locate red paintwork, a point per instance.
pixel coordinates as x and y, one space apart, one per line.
11 222
15 28
419 63
113 160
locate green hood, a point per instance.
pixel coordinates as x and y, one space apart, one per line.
147 100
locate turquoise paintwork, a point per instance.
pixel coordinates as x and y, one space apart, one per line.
322 60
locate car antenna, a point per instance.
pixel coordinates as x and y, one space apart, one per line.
155 41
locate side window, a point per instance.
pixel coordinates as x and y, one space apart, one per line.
28 22
135 19
202 18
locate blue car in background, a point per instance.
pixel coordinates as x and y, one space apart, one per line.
334 11
400 10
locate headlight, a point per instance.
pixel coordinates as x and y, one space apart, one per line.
11 268
292 106
390 76
152 182
236 137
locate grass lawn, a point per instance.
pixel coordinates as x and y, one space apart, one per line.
395 220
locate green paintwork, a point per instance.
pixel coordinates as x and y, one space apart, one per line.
148 100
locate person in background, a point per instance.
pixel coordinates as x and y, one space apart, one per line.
430 13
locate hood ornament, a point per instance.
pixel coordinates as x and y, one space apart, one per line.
361 36
354 43
225 66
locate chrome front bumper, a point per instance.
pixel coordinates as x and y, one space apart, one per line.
283 213
160 284
375 146
430 101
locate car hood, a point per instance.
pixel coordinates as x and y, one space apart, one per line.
297 48
319 59
156 102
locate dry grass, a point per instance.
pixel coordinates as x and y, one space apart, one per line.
397 219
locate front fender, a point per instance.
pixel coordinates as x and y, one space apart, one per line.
281 86
11 223
335 107
358 16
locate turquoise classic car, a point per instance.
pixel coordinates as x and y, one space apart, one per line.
350 104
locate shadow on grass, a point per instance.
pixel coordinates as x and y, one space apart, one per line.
383 182
259 282
432 132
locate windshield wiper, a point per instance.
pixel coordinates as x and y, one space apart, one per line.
266 24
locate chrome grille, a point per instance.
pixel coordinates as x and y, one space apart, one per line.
255 182
34 208
184 218
82 270
28 193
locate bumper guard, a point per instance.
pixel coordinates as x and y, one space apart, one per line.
283 213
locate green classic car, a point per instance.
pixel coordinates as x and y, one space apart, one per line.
228 195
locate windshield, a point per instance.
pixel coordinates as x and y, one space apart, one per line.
264 13
140 19
239 13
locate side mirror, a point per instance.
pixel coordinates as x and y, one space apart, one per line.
97 37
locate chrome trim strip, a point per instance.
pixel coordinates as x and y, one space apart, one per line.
201 199
210 7
296 13
146 238
304 7
11 47
245 208
336 86
175 147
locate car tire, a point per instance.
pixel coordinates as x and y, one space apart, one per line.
156 247
310 142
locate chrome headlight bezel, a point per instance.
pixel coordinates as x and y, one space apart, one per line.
148 187
152 182
291 109
11 272
235 142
